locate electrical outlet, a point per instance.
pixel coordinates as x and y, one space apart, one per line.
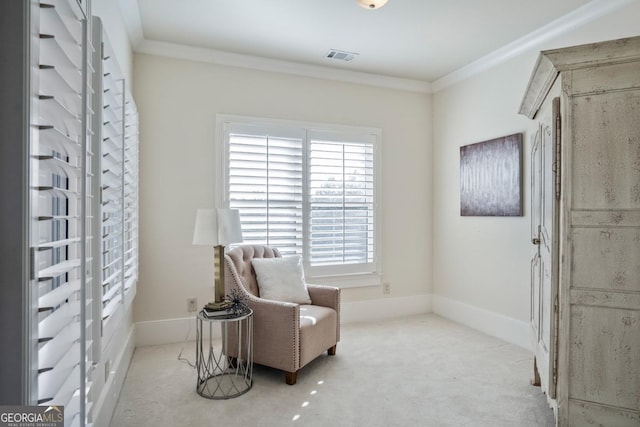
386 288
192 304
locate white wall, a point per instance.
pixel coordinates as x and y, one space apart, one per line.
481 265
178 101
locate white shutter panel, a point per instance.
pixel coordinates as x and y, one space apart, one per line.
116 138
112 152
130 194
265 182
60 178
341 205
91 217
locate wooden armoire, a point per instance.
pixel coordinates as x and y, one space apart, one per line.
585 194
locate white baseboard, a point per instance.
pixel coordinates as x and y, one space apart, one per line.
506 328
106 403
384 308
167 331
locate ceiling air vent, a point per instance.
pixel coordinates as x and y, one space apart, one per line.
341 55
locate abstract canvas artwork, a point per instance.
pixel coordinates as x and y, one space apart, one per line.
491 177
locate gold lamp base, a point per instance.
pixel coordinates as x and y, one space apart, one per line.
218 303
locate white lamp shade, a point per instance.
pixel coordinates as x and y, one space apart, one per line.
217 227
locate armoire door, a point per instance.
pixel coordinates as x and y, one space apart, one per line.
544 266
536 211
601 324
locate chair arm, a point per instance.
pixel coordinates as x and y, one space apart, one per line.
276 332
326 296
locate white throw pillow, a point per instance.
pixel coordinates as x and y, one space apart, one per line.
281 279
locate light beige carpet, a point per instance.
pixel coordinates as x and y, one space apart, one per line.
413 371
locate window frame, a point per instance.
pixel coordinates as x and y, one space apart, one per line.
330 275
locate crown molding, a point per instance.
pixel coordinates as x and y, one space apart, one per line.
587 13
173 50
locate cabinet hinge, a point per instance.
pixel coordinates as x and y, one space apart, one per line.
557 161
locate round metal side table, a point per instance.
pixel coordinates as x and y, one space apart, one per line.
225 362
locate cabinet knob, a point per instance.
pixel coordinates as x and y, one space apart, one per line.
535 241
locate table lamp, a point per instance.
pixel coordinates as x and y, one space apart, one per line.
217 227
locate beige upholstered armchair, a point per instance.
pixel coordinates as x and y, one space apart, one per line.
286 336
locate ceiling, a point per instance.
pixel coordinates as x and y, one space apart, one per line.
421 40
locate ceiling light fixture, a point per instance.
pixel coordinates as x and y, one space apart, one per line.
371 4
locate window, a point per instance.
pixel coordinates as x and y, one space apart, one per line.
306 189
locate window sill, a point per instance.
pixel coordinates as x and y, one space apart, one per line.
347 281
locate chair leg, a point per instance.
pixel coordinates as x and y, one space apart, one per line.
332 350
290 377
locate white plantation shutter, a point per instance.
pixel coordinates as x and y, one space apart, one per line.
305 191
61 183
265 176
341 203
130 195
112 151
116 139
